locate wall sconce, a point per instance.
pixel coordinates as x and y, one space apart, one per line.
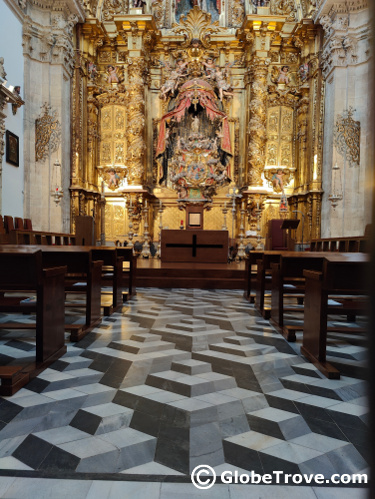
57 191
336 189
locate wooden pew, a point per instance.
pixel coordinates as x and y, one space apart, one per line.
22 269
83 276
251 274
112 273
129 271
263 279
343 278
288 279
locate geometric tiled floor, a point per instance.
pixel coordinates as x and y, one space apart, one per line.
178 379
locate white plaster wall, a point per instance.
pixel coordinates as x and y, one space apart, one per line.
11 50
348 87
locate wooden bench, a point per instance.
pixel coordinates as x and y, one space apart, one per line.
251 274
84 277
22 270
342 278
288 279
129 271
263 279
112 273
341 244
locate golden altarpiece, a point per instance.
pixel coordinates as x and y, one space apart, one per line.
173 105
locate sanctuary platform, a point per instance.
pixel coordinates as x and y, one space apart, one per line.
154 273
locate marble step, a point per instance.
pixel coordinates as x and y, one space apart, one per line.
51 380
278 423
137 347
190 386
242 350
344 388
69 449
102 418
311 453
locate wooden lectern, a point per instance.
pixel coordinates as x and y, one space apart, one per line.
288 225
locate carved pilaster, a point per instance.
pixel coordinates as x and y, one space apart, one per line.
92 138
136 120
257 124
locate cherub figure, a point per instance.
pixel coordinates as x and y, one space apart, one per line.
209 68
222 83
173 81
114 179
283 75
112 74
278 181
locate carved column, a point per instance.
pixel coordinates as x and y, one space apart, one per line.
2 143
92 138
136 120
257 124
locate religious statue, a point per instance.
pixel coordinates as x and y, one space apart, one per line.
112 74
277 180
221 82
2 70
114 179
209 68
304 72
283 75
92 71
174 79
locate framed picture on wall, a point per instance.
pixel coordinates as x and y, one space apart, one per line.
12 145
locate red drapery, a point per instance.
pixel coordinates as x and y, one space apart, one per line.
207 100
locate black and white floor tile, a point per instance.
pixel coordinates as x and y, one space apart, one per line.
181 378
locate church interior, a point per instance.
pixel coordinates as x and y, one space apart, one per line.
215 159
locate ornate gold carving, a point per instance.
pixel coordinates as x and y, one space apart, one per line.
47 133
136 120
106 153
238 12
280 136
284 7
270 174
197 24
347 137
158 9
257 123
112 7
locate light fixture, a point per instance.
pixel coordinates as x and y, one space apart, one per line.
336 190
56 191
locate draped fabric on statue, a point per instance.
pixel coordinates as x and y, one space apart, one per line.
194 92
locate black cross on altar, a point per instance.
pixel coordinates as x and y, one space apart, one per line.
194 246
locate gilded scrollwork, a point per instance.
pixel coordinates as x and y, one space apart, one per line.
347 137
284 7
111 8
47 133
197 25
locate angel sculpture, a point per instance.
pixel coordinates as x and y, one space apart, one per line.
221 80
174 78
